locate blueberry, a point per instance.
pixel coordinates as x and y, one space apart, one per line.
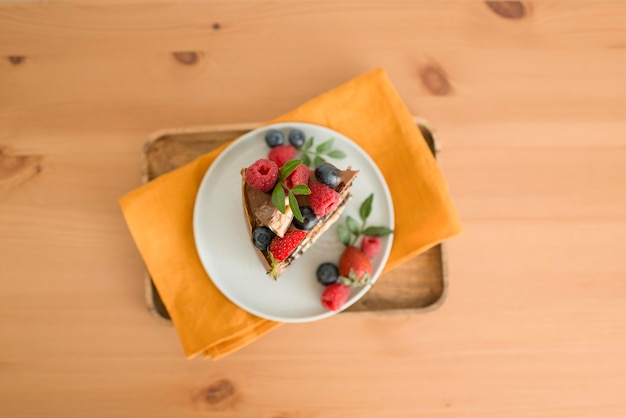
327 274
274 138
309 220
296 138
261 237
327 174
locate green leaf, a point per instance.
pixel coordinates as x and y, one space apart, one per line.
278 198
309 143
377 231
288 168
366 208
318 160
301 189
336 154
353 226
295 208
325 146
344 235
306 160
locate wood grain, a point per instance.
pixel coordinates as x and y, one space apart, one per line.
532 127
16 169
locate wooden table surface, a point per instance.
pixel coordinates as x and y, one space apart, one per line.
529 101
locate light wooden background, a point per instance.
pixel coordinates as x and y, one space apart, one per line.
529 100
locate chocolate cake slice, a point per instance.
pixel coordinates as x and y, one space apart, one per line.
272 231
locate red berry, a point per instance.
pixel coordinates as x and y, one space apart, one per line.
323 199
281 248
335 296
262 175
282 153
300 175
354 260
370 246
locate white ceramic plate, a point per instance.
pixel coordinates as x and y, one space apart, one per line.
224 245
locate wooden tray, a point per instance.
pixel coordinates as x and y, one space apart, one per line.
416 285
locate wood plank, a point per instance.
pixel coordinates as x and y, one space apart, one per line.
541 183
152 91
37 28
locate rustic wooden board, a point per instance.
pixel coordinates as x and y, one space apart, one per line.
415 285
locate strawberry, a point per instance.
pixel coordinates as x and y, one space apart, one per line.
355 264
281 248
335 296
370 246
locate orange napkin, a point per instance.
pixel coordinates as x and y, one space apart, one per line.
366 109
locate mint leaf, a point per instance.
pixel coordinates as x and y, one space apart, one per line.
377 231
306 160
353 225
301 189
278 198
344 235
295 208
309 143
318 160
325 146
336 154
366 208
288 168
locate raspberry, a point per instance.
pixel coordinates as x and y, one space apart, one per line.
354 260
262 175
370 246
281 248
300 175
335 296
282 153
323 199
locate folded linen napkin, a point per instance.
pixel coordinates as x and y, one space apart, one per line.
366 109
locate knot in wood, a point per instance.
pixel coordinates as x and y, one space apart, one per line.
508 9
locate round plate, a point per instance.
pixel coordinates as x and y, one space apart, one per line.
225 248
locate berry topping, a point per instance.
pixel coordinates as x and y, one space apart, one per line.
281 154
335 296
262 237
309 220
274 138
327 274
370 246
296 138
281 248
300 175
355 264
262 175
323 199
328 174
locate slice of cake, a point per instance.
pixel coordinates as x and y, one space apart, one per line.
288 208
